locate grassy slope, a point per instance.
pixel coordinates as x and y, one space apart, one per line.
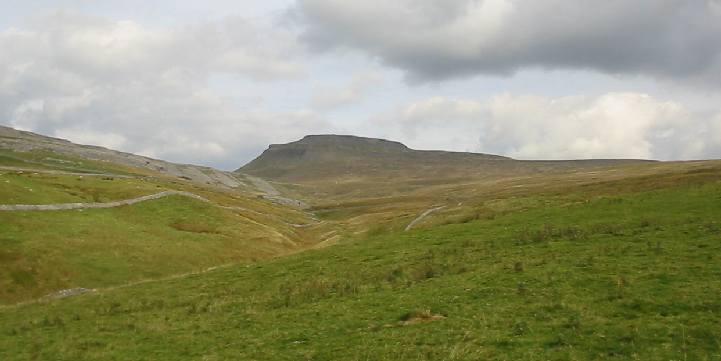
618 270
48 251
481 198
37 188
44 159
43 252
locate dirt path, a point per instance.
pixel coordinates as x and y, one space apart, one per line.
423 215
65 206
125 202
270 193
60 172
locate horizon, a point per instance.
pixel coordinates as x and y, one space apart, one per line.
369 138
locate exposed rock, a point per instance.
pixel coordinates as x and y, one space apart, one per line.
22 141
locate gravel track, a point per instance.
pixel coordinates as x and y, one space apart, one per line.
97 205
423 215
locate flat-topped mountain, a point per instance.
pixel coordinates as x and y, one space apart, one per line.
343 147
343 156
349 142
326 156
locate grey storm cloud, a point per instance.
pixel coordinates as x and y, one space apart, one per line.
439 39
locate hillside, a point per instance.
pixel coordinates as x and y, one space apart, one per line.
27 142
326 169
75 216
593 269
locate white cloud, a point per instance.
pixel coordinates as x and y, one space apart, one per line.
330 97
613 125
83 136
108 49
123 85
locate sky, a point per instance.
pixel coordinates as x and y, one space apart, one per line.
216 82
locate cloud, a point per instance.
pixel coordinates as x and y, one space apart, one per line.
613 125
331 97
436 40
94 46
84 136
434 123
157 90
139 89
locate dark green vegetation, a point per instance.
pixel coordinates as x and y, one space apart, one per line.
584 260
576 275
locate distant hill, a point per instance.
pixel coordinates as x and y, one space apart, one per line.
22 141
337 156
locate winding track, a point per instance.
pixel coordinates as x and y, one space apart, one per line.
95 205
271 194
127 202
261 184
423 215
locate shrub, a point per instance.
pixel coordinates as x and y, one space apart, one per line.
518 267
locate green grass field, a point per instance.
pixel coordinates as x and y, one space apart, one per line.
37 188
612 270
42 252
